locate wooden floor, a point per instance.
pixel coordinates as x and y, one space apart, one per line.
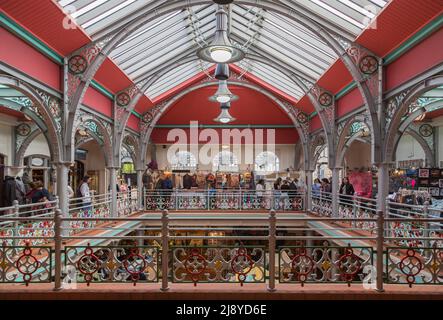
219 292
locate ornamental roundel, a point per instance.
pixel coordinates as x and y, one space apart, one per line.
425 130
242 264
23 129
368 64
325 99
27 264
410 266
77 64
302 118
302 266
147 117
123 99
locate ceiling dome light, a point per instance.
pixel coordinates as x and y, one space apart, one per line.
224 116
221 50
223 95
221 54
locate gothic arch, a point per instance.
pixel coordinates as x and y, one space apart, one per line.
156 112
131 144
317 144
341 153
430 160
24 146
102 136
343 136
39 111
397 124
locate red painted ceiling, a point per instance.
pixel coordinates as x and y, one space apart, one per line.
251 108
397 22
44 19
281 136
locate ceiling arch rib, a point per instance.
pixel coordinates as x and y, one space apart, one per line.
263 32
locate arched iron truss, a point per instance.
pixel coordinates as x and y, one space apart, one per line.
43 109
100 132
127 99
402 110
151 117
88 59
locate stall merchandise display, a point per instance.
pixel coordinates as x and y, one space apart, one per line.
403 178
431 180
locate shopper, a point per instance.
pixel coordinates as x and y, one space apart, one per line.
293 192
41 194
259 188
346 191
316 188
20 190
326 188
167 190
277 184
84 193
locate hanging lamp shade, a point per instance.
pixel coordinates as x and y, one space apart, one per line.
223 2
223 95
221 49
224 116
222 71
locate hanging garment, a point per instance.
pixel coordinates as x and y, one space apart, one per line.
187 181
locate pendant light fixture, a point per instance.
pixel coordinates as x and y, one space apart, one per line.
221 50
224 116
222 71
223 95
223 1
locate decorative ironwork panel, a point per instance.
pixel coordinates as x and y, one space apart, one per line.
392 107
25 264
358 209
412 265
218 264
127 203
323 264
322 205
113 264
101 210
54 108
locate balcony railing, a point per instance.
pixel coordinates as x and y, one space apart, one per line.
242 249
223 200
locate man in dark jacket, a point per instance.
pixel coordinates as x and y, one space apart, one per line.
9 191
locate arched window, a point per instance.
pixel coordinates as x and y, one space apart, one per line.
266 162
183 160
225 161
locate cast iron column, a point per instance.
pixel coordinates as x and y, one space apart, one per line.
335 190
62 192
140 189
308 205
113 188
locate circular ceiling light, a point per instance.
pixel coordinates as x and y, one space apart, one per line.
221 50
223 95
